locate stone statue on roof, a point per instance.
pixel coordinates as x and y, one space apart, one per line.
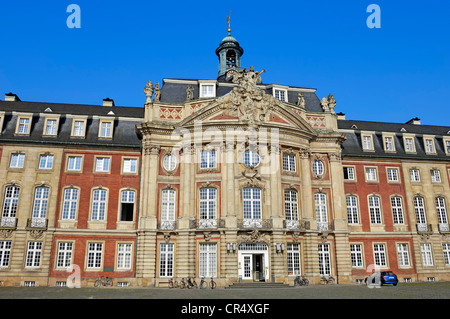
148 90
157 93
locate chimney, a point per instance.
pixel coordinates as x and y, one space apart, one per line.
108 102
414 121
11 97
340 116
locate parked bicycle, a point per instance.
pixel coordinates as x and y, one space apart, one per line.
173 283
204 284
191 283
301 281
182 283
327 281
100 282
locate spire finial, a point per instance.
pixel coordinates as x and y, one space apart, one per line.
228 22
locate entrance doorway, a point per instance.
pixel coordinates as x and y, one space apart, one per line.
253 262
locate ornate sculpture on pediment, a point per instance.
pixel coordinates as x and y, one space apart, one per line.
189 93
247 101
331 102
324 104
301 99
148 90
157 93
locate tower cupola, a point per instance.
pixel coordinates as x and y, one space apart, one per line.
229 53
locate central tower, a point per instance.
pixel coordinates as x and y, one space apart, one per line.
229 53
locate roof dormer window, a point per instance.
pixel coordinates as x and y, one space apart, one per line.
280 94
207 90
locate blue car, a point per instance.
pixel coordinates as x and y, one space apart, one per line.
385 277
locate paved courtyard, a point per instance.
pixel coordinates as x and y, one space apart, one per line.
438 290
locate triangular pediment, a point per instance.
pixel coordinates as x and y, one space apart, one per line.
248 105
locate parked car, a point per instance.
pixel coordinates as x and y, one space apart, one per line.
383 277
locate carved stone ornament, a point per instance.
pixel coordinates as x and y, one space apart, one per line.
251 173
167 237
207 236
157 93
6 233
254 236
295 236
36 233
148 90
301 99
189 93
246 101
424 237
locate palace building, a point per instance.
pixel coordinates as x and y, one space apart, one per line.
228 177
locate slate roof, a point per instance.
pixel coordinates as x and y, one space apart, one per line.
124 131
353 145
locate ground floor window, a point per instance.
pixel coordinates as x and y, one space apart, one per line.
380 255
403 255
324 260
5 252
64 255
124 256
94 255
356 255
446 248
427 256
166 258
34 253
208 260
293 258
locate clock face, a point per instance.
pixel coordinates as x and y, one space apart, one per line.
232 74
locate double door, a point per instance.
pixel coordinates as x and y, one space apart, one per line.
253 267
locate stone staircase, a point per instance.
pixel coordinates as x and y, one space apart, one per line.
269 285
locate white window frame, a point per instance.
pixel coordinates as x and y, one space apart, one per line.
291 204
252 208
409 142
375 210
51 127
5 253
17 160
34 253
427 254
356 254
74 163
320 203
414 174
441 210
10 202
429 145
419 207
367 142
127 197
251 158
397 210
102 164
280 94
389 143
403 255
94 255
318 167
446 250
208 159
208 203
79 128
393 174
64 255
166 260
124 254
324 259
208 260
380 256
207 90
23 125
447 146
46 161
40 205
350 171
352 209
130 165
170 162
106 129
70 203
289 162
168 205
99 204
371 174
293 259
435 176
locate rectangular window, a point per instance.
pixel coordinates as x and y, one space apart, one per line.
289 162
375 209
435 176
64 255
46 161
429 146
94 256
367 142
40 202
208 159
34 252
415 175
252 203
74 163
291 204
5 253
17 160
419 207
371 174
280 95
50 127
70 203
293 259
380 255
10 202
208 203
441 210
397 209
392 174
124 252
166 260
102 164
447 147
409 144
320 201
403 255
349 173
98 204
427 256
207 90
352 209
389 143
105 129
24 126
446 248
130 165
208 260
168 205
356 255
78 128
127 206
324 260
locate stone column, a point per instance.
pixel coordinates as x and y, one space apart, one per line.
306 191
276 211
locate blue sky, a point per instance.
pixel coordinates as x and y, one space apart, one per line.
390 74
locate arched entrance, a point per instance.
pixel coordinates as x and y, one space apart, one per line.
253 262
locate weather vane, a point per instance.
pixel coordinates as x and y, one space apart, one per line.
228 22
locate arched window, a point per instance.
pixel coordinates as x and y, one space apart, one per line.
441 210
291 204
69 208
419 207
40 202
98 209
